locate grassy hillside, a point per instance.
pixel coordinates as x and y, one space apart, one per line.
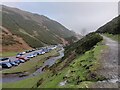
75 50
83 45
111 27
11 44
80 73
114 37
36 30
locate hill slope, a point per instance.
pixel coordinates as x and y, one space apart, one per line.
12 42
111 27
36 30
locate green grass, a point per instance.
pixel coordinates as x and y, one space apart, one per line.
27 83
114 37
51 80
31 65
8 54
79 71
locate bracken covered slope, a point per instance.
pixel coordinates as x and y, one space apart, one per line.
36 30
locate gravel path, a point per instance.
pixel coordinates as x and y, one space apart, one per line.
109 65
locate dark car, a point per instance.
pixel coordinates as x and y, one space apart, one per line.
30 50
27 51
13 63
6 65
35 54
17 61
46 50
3 59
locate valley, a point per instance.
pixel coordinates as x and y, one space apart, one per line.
39 52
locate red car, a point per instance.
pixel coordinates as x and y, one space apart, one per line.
24 58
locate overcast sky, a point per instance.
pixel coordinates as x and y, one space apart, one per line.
76 16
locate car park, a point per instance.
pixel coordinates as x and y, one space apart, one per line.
22 56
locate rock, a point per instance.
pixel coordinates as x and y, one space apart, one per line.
62 83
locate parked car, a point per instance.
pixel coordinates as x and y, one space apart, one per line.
35 54
33 49
21 61
30 56
17 61
18 55
3 59
24 58
46 50
42 52
30 50
23 53
27 51
6 65
13 63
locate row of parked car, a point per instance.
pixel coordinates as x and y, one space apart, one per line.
7 63
21 58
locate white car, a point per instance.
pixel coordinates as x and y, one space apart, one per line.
23 52
30 56
18 56
42 52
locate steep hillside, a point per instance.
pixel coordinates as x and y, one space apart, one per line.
83 45
36 30
12 42
111 27
78 48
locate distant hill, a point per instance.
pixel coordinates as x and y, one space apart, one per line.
36 30
111 27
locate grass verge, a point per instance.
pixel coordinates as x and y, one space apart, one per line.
8 54
114 37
